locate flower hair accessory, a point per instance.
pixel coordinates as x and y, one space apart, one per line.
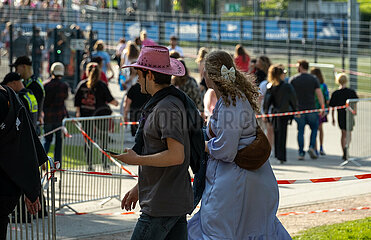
228 74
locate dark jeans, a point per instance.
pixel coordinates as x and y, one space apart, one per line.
58 140
160 228
280 134
312 119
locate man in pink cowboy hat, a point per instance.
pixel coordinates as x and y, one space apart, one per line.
163 150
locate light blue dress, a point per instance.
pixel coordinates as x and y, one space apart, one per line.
236 204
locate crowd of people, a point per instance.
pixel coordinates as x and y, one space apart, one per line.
210 126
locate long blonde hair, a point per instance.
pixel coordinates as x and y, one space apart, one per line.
242 87
94 75
201 54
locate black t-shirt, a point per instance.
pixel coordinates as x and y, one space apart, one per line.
305 85
339 98
4 101
137 97
93 102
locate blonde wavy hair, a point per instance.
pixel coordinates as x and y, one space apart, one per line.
242 87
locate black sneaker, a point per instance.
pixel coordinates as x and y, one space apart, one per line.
301 156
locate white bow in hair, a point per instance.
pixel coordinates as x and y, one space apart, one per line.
228 74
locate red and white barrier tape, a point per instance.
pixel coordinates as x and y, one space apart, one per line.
326 180
98 214
299 112
299 181
129 123
77 124
323 211
353 72
56 130
97 173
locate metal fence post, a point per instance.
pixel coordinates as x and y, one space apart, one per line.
198 33
11 45
315 41
54 229
219 33
288 46
241 31
342 46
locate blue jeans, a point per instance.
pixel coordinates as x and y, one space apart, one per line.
160 228
58 140
312 119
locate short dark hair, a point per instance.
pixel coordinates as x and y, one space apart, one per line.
160 78
304 64
97 59
173 38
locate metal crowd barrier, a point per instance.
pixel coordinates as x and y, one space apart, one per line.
81 154
23 225
358 126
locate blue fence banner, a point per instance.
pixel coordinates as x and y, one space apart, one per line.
278 29
275 30
247 30
229 30
186 31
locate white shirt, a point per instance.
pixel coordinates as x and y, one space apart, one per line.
176 49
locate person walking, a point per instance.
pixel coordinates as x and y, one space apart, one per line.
262 65
162 150
20 149
306 87
91 99
23 66
282 97
56 92
318 73
339 98
99 52
241 59
237 203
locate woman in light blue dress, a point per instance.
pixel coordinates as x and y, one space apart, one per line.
237 204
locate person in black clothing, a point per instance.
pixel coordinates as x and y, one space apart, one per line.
283 98
38 45
13 80
23 66
339 98
91 98
56 92
21 155
134 101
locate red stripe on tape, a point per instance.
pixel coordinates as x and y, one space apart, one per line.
286 181
363 176
319 180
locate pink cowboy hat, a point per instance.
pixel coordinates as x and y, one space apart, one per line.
157 59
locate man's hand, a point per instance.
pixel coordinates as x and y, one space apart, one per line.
129 157
130 199
34 207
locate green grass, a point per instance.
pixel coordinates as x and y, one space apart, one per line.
359 229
